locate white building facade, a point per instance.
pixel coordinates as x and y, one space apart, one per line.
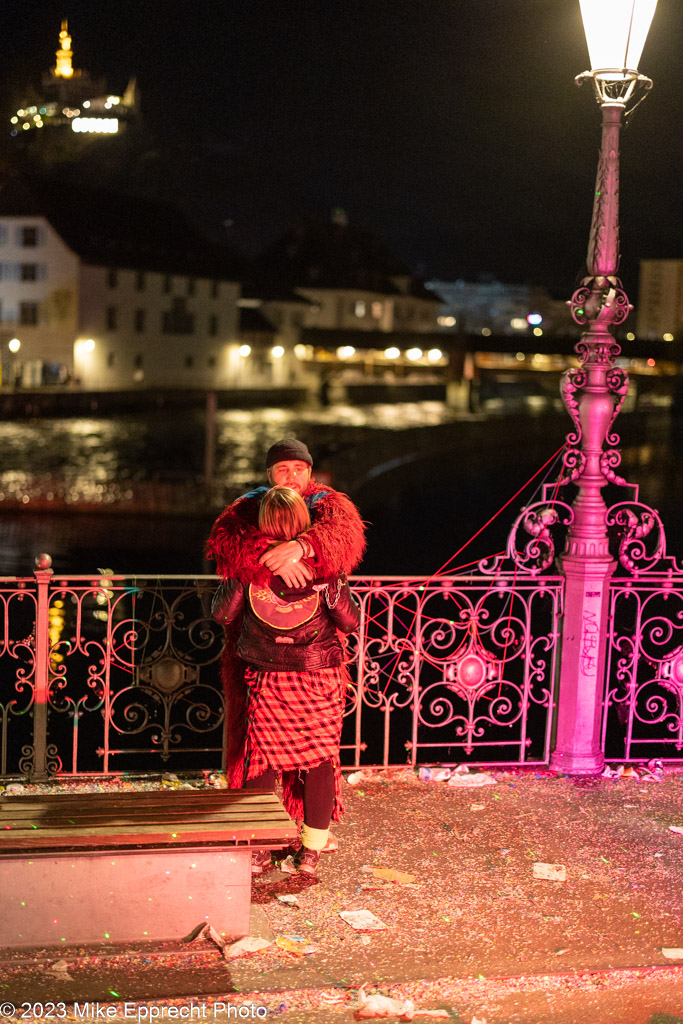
65 319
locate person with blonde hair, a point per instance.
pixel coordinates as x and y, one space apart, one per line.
296 679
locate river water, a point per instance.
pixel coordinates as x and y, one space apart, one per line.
424 477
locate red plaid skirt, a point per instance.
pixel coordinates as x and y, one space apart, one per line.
294 719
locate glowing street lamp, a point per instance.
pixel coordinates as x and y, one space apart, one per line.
595 391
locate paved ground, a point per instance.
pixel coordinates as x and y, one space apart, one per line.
474 932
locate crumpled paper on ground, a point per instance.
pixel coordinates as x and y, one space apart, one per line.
550 872
652 772
472 781
362 920
375 1005
296 944
459 776
249 944
60 970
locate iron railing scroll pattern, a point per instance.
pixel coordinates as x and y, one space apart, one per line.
457 668
18 604
129 673
453 669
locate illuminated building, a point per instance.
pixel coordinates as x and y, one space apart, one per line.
72 104
111 291
352 311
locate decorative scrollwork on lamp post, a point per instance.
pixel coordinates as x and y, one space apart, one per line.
594 392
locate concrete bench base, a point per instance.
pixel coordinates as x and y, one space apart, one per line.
131 867
123 896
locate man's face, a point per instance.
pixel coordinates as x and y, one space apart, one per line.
293 473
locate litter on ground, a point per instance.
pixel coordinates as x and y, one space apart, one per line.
362 920
550 872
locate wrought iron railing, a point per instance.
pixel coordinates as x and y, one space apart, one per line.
109 674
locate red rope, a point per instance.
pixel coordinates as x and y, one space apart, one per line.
501 509
440 571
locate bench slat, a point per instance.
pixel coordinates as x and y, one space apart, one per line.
160 819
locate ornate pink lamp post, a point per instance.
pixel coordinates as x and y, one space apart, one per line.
593 394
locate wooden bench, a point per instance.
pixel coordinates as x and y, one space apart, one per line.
127 866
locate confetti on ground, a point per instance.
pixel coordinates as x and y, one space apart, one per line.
480 927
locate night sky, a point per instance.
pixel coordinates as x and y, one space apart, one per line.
452 128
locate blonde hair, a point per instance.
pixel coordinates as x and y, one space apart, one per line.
283 514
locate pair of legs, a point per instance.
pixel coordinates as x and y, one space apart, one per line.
319 796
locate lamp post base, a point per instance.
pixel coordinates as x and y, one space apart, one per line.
572 763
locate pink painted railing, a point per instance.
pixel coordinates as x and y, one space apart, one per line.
106 674
112 673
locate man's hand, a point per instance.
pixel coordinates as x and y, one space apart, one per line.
284 560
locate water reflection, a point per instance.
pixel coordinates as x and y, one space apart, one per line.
103 461
444 475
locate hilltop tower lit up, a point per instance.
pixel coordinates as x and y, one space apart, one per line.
72 102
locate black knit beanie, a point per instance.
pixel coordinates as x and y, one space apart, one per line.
288 450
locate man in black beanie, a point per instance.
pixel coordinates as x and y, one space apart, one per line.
334 543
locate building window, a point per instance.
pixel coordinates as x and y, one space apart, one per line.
112 316
110 359
359 308
377 310
140 281
112 277
211 361
189 362
168 284
28 314
214 289
139 320
178 320
213 325
29 237
191 285
138 361
28 272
